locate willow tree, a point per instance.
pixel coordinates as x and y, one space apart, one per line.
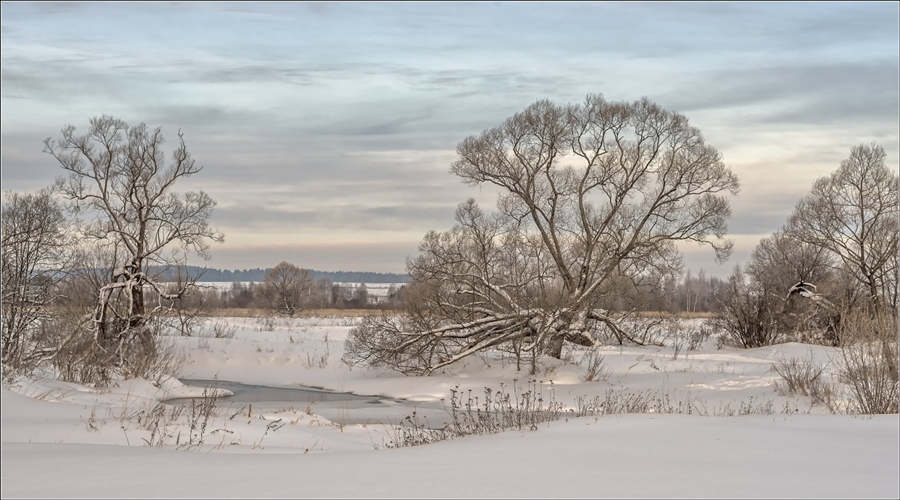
591 195
119 179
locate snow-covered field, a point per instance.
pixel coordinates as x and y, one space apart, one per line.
731 434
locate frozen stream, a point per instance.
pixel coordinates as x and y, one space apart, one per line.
340 407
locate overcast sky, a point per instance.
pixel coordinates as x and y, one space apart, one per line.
326 130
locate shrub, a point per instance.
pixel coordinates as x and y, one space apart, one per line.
868 360
804 376
747 313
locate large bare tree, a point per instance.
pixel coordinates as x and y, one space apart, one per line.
591 194
118 177
852 214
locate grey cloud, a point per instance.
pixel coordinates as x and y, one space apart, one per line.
320 8
200 121
324 217
847 108
26 82
92 76
749 28
754 223
814 91
62 80
194 72
261 161
45 8
24 166
377 123
846 23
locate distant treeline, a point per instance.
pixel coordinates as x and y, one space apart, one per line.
257 275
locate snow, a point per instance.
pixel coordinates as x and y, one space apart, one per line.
742 439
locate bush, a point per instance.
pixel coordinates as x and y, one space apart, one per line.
79 358
803 376
747 313
868 360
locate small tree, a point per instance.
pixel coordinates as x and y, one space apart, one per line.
289 289
341 294
324 292
748 311
118 177
361 295
241 295
37 254
868 360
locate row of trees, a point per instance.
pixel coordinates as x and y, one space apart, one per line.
289 290
256 275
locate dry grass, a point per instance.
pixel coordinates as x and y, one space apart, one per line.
804 376
356 313
680 314
525 408
869 359
696 314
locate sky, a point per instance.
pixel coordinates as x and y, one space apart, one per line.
63 440
326 130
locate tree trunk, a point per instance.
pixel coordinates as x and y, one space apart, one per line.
556 345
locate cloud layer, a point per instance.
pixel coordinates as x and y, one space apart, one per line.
333 125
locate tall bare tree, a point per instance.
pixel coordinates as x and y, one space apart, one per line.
119 178
36 255
590 194
289 289
852 214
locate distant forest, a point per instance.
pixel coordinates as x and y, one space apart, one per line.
257 275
